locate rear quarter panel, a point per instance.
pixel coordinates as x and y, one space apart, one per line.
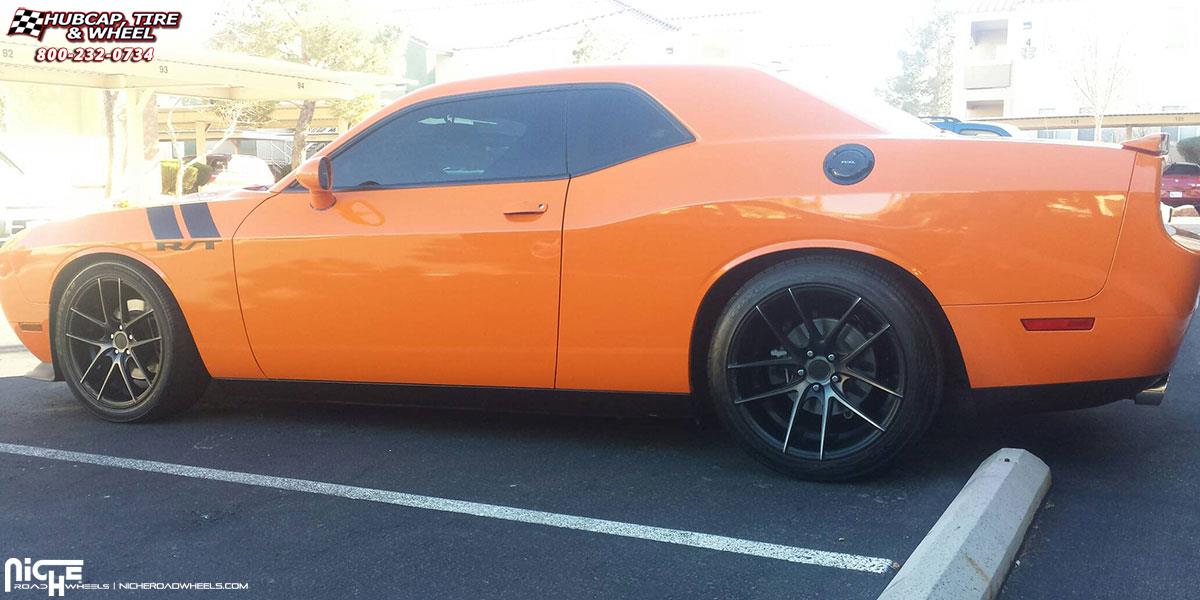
977 221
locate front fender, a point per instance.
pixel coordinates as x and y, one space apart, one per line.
188 247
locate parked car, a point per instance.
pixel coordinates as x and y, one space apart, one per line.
235 171
972 128
823 279
1181 185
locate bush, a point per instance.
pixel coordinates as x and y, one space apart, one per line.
1189 148
170 167
204 174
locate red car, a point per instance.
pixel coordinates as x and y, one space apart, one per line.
1181 185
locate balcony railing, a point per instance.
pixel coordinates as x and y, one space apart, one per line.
987 76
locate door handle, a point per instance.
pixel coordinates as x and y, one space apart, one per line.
526 208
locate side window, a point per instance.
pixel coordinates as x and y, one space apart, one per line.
978 132
491 138
613 124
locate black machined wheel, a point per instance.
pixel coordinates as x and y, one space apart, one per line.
122 345
105 337
817 369
825 367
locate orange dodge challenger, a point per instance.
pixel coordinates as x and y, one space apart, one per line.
822 277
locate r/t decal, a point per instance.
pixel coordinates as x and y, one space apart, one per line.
181 246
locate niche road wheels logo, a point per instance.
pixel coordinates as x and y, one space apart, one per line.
52 575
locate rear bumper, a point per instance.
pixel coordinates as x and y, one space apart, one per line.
1069 396
1178 202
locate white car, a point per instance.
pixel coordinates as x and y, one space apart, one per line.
241 171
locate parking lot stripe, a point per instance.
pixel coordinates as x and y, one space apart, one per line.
821 558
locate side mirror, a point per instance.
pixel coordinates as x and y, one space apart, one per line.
316 175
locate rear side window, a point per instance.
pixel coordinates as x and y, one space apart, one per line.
508 137
611 125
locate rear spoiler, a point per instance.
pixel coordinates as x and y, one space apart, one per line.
1154 144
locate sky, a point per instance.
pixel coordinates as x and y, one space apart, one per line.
865 37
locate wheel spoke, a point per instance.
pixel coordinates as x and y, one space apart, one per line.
120 304
831 335
826 405
791 422
854 353
853 374
765 363
809 326
92 364
125 378
111 367
100 293
788 346
93 320
791 387
95 343
846 403
137 363
138 318
141 343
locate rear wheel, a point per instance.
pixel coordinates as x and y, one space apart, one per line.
123 347
825 367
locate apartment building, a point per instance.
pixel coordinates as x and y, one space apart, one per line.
1046 65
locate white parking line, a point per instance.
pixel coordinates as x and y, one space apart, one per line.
837 560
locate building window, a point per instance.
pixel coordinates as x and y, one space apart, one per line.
989 40
982 109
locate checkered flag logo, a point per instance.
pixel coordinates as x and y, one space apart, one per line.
28 22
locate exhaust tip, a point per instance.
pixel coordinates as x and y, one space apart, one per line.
1153 395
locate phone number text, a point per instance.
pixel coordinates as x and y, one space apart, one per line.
94 54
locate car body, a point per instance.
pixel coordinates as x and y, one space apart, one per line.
1181 185
460 237
972 128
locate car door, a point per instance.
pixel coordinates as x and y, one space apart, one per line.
439 261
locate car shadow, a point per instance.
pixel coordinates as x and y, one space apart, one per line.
954 446
1083 442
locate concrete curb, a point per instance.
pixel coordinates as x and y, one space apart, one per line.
967 553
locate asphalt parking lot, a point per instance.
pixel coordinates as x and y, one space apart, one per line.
1120 520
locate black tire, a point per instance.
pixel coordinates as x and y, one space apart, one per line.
123 347
764 395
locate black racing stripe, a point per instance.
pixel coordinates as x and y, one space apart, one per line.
199 220
163 223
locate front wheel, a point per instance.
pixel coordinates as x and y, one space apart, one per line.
123 347
825 367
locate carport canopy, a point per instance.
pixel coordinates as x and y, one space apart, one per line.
208 74
183 72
